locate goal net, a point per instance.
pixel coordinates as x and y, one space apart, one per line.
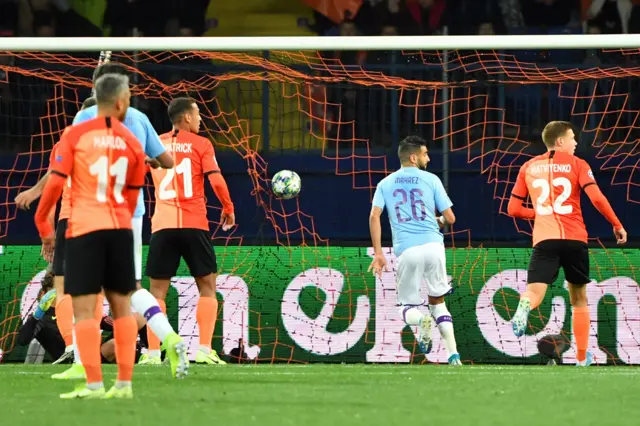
293 285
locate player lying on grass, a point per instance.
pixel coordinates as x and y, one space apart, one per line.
411 196
180 227
41 325
106 165
554 182
64 310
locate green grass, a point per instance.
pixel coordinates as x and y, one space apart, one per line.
334 395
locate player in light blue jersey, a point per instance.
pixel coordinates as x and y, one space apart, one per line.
411 196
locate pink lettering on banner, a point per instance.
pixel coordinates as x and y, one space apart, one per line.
497 331
626 293
389 325
235 313
311 333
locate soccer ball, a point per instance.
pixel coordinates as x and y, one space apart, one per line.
286 184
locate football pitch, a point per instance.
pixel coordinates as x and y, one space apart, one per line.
334 395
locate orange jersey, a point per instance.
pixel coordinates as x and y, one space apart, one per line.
104 161
180 199
65 206
554 181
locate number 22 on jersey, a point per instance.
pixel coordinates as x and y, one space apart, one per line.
543 208
183 169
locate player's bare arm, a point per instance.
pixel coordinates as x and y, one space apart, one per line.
25 198
447 218
375 228
601 204
163 160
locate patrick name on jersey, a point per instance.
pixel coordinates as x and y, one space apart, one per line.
178 147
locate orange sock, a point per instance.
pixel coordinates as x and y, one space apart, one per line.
154 342
64 319
581 324
206 312
125 333
99 304
88 341
534 298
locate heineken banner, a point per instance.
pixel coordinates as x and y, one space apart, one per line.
303 304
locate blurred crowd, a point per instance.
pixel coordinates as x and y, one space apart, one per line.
50 18
95 18
485 17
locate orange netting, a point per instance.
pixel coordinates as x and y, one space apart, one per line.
345 312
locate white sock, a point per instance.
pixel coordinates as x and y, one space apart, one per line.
76 352
95 386
154 353
444 321
411 315
122 384
147 305
205 349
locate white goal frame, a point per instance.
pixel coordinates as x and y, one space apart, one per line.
231 44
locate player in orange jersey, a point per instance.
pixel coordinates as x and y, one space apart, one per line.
179 226
106 165
554 181
63 308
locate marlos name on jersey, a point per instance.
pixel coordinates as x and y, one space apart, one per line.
109 141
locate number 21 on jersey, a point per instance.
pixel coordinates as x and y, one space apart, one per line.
183 169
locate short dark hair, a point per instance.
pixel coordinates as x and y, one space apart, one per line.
179 107
410 145
554 130
109 87
109 68
89 102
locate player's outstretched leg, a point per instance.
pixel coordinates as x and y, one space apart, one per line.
529 300
444 321
157 321
412 316
206 313
154 355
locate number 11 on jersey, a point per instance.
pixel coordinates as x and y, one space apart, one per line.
102 170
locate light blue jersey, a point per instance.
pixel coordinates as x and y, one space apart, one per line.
138 123
411 197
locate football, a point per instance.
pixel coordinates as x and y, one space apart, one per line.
286 184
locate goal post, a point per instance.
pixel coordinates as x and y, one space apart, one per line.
238 44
